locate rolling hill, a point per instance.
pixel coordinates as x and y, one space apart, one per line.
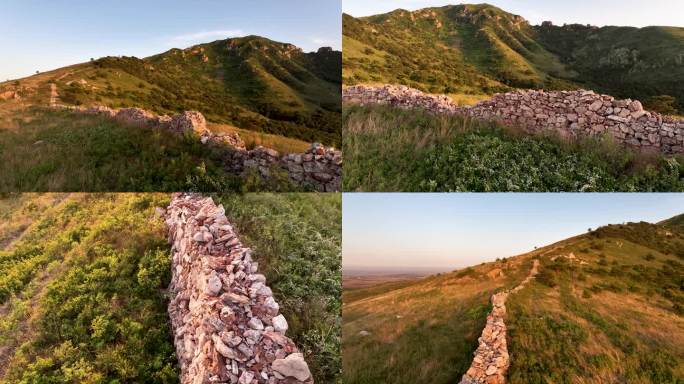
481 49
606 306
251 82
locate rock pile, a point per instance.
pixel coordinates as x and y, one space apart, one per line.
400 96
226 324
319 168
189 122
570 113
491 359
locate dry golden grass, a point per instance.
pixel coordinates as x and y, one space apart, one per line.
253 139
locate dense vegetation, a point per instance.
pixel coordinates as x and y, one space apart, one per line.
296 239
619 303
390 149
250 82
49 150
82 293
82 280
481 49
607 306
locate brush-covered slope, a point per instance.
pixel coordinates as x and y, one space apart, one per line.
606 307
83 281
451 49
483 49
644 63
252 82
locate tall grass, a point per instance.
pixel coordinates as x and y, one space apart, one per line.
389 149
48 150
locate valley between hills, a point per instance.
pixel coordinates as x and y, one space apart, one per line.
604 306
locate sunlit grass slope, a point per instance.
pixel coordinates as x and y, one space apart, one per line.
605 308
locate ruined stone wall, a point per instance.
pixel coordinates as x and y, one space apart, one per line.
318 168
225 321
569 113
491 359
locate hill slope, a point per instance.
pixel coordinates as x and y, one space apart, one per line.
606 307
252 82
476 49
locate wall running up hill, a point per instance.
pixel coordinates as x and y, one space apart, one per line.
226 324
491 360
569 113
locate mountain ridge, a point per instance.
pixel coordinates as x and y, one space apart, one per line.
481 49
252 82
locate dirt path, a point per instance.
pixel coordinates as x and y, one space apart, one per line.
53 94
25 328
491 359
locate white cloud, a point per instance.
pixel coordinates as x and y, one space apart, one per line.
321 42
204 36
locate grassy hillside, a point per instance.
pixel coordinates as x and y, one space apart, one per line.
421 331
389 149
82 279
251 82
50 150
481 49
610 312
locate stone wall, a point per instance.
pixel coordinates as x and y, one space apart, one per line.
318 168
569 113
491 359
225 321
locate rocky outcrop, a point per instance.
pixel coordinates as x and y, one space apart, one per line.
318 168
569 113
491 359
226 323
189 122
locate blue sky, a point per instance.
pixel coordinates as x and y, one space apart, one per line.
48 34
638 13
456 230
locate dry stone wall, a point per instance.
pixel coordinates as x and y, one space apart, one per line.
318 168
570 113
491 359
226 323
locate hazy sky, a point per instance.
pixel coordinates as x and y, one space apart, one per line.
457 230
48 34
638 13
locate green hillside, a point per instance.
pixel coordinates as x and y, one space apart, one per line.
83 279
606 307
481 49
251 82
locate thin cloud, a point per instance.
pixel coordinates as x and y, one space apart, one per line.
320 42
204 36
